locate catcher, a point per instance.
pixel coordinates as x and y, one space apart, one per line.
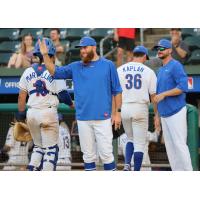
42 118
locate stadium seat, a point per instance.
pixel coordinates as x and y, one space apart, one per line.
63 33
34 31
9 46
4 58
73 53
195 57
193 42
152 53
189 32
9 34
76 33
66 44
100 33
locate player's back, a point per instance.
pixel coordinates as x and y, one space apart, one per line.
137 82
41 87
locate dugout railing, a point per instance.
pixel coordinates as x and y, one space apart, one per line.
8 109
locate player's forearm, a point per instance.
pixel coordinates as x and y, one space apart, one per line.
154 104
117 102
49 64
172 92
22 102
182 53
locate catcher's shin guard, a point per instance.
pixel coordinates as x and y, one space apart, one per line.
36 159
50 158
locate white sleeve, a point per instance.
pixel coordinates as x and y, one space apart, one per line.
152 84
23 83
10 138
60 85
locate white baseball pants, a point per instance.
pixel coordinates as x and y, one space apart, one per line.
175 137
43 125
135 121
96 136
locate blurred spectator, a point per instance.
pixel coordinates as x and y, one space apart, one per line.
180 50
24 58
126 43
60 50
64 144
17 151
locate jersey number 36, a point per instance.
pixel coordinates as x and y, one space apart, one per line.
133 81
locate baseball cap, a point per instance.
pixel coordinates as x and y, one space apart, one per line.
141 49
86 41
164 43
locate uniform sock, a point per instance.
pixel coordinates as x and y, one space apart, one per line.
129 153
138 157
110 166
90 166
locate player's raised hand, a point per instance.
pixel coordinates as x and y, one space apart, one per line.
43 46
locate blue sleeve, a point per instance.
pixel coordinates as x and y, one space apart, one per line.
115 83
180 77
64 72
64 97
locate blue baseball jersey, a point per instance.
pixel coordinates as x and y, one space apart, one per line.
170 76
94 86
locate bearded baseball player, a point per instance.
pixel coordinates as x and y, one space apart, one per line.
42 119
95 82
138 82
171 88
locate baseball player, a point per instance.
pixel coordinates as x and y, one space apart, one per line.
138 82
123 140
64 144
42 119
171 88
95 82
17 151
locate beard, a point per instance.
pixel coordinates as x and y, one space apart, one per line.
88 58
163 56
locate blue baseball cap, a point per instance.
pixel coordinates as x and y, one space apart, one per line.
164 43
86 41
141 49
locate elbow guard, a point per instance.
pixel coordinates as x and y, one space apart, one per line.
65 98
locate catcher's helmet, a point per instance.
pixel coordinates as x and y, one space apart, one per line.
50 46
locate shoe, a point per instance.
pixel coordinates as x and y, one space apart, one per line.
127 167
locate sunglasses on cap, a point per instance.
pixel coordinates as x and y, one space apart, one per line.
161 48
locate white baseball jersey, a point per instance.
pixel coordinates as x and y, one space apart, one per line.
38 99
18 150
64 143
137 82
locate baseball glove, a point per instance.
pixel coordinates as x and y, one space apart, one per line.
21 132
117 133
